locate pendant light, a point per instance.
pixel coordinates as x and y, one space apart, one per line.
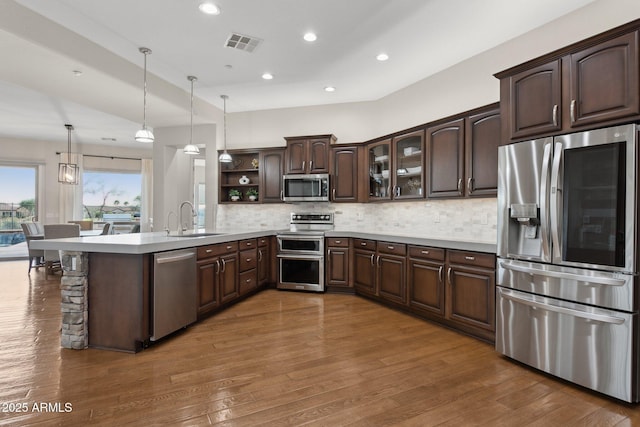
190 148
225 157
144 134
68 172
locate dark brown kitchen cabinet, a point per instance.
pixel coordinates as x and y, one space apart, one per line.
344 173
445 159
247 266
264 260
391 272
271 170
470 290
535 98
396 167
425 280
308 154
217 275
337 263
482 139
241 175
462 154
603 81
364 267
595 81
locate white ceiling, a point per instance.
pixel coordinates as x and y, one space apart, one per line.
46 40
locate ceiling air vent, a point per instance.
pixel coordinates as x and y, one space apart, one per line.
242 42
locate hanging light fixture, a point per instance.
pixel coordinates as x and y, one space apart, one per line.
225 157
190 148
144 134
68 172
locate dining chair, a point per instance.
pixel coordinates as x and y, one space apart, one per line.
57 231
85 224
30 230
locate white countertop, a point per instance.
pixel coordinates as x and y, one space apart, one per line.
142 243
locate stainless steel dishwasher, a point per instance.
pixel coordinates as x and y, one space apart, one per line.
174 291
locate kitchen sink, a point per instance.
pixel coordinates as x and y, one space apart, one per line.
192 235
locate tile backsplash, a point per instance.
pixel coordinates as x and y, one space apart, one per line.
472 220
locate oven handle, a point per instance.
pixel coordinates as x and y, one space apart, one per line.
563 275
305 257
563 310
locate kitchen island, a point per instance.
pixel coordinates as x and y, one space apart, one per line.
108 280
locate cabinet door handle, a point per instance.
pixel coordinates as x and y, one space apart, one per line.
449 276
310 165
224 265
209 251
440 271
333 194
555 115
390 247
259 254
282 195
470 258
425 252
248 243
229 247
372 259
248 281
573 110
378 261
248 259
328 252
338 242
470 185
304 162
217 266
363 243
460 185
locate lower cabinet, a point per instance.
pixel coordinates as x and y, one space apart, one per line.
217 275
264 260
471 281
452 287
337 264
425 277
248 266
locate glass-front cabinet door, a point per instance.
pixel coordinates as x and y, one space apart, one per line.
408 166
380 170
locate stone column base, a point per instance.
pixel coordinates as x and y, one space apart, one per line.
74 300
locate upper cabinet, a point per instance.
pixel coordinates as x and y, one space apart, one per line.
344 173
396 167
590 83
271 168
255 176
462 155
308 154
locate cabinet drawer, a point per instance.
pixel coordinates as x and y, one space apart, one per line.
247 244
341 242
392 248
248 280
364 244
426 252
263 241
215 250
248 259
472 258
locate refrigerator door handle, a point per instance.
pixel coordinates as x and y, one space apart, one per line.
544 207
563 275
563 310
554 203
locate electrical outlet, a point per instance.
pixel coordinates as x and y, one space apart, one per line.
436 217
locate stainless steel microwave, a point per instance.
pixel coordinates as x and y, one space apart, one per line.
305 188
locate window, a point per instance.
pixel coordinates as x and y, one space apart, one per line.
18 204
111 193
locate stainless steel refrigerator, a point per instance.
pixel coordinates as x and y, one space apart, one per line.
567 269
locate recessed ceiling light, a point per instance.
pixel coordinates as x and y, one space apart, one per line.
382 57
209 8
310 37
228 66
267 76
77 73
330 89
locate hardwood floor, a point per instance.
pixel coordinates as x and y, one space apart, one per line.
276 359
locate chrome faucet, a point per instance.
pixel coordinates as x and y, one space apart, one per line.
167 228
193 214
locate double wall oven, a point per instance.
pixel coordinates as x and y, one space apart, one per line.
567 295
301 252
